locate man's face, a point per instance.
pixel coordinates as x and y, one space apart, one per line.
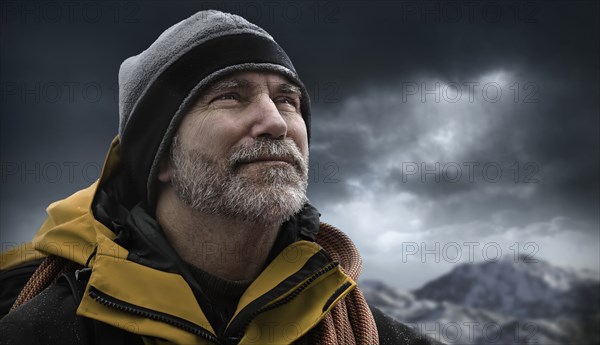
242 150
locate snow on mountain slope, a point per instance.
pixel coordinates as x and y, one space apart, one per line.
504 302
522 288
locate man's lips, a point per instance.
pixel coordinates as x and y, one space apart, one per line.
269 159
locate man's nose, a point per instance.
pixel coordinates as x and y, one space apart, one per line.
268 121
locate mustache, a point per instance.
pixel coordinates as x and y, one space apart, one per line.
268 149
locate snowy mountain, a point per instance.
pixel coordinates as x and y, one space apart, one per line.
522 288
504 302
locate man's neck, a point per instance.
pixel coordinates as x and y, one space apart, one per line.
222 247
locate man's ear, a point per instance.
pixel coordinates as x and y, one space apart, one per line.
164 171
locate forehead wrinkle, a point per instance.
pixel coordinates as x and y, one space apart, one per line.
230 84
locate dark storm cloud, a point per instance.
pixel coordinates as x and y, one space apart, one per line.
545 151
554 56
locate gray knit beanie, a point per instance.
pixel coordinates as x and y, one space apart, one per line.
158 86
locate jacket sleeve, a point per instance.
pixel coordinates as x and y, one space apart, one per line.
12 282
392 332
48 318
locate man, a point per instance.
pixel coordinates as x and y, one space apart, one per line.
198 230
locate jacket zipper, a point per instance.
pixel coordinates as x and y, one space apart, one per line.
117 304
286 299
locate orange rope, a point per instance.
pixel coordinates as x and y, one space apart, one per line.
47 272
350 321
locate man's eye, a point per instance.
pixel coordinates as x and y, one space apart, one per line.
287 100
227 97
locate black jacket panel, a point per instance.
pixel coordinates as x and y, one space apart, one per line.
12 282
48 318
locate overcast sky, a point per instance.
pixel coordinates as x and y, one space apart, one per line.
442 132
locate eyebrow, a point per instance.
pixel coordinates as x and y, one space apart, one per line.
244 84
290 89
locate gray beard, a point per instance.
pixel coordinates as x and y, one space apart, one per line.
272 196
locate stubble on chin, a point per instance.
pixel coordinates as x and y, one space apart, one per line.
258 194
